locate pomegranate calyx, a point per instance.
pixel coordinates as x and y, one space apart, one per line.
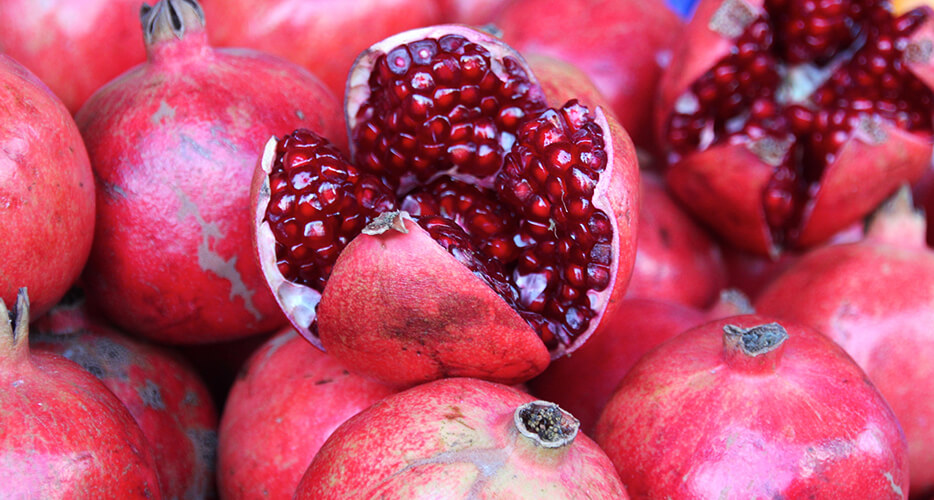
385 221
546 424
14 328
755 341
897 222
170 19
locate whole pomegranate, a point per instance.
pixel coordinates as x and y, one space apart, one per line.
46 190
675 258
62 433
748 408
623 45
165 396
329 33
583 382
74 47
875 298
785 121
288 399
516 228
173 144
467 438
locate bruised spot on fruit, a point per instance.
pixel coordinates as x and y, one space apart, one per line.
546 424
758 340
151 395
454 414
205 443
324 381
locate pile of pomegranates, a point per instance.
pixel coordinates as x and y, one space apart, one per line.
455 249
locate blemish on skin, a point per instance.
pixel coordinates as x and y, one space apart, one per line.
151 395
209 260
300 114
164 111
895 488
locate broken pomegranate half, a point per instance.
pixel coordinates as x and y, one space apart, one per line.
785 121
496 230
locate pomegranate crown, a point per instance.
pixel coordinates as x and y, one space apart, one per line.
170 19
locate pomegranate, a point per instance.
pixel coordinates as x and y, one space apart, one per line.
46 190
786 121
748 408
622 44
876 299
329 33
62 433
466 437
474 12
173 143
583 382
164 396
675 258
74 47
536 202
286 402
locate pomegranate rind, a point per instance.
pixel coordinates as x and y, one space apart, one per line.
562 81
358 81
298 302
400 309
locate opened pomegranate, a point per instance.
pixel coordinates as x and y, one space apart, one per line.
748 408
74 47
675 258
62 433
623 45
583 382
46 191
165 397
286 402
786 121
173 143
323 36
876 299
465 437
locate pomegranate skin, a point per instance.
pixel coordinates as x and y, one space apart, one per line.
460 437
623 45
875 298
173 143
165 397
376 302
288 399
46 191
475 12
675 258
330 32
74 47
749 414
63 434
724 185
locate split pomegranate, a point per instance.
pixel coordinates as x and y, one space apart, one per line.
623 45
46 191
63 434
748 408
786 121
286 402
323 36
173 143
465 437
73 47
876 299
165 396
675 258
449 125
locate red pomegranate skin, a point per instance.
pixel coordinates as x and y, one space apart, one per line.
623 45
475 12
287 400
676 259
583 382
173 143
875 298
329 33
75 47
455 436
63 434
46 191
699 418
164 395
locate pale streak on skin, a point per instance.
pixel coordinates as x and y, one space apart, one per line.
209 260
